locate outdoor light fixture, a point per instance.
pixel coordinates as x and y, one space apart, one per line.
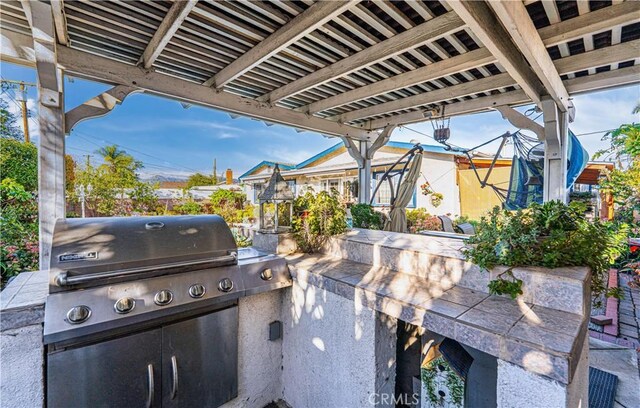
276 205
441 131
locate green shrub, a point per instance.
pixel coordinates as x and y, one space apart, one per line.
551 235
19 162
316 218
365 217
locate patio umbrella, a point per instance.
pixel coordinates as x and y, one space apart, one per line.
397 221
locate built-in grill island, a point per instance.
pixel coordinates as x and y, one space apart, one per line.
143 312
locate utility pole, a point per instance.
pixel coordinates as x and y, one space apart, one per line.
88 156
23 106
215 173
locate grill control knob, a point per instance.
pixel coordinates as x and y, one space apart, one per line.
267 274
196 291
225 285
162 298
124 305
78 314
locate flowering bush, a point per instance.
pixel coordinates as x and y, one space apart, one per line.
17 258
18 228
420 220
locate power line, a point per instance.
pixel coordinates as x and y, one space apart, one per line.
178 166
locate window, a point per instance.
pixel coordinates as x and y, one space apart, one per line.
292 186
257 189
383 196
328 185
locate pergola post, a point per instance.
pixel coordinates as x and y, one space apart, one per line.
364 175
556 134
51 177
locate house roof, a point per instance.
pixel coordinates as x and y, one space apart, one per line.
267 163
336 149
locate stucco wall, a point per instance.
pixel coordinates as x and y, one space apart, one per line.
259 360
21 380
331 344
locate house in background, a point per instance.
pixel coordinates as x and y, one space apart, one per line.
334 168
448 173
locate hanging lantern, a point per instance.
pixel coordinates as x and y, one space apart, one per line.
276 205
441 131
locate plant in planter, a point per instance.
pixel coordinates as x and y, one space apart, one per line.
316 218
551 235
364 216
419 219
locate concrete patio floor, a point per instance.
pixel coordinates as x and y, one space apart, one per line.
622 362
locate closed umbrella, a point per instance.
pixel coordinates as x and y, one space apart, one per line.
397 221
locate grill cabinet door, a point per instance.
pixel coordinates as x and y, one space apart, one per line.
200 360
114 373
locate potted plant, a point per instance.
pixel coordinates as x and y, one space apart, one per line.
550 235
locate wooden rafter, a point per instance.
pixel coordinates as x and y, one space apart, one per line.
514 17
383 50
603 80
90 66
427 98
591 23
60 21
172 21
304 23
484 24
429 72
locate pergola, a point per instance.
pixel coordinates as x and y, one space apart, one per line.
350 69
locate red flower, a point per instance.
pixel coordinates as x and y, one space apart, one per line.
634 248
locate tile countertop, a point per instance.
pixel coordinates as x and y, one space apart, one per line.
542 340
22 300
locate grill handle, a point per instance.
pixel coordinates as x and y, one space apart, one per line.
151 386
174 377
63 279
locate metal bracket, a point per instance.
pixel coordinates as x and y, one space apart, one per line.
98 106
520 121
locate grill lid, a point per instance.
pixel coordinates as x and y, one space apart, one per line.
89 250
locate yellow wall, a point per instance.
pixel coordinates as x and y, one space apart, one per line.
474 200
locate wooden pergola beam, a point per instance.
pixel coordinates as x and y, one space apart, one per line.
603 56
60 21
591 23
603 80
383 50
86 65
626 51
616 15
170 23
514 17
301 25
429 72
427 98
485 25
51 166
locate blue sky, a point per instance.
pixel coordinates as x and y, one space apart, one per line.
174 141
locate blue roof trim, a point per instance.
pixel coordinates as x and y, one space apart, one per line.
320 155
399 145
283 166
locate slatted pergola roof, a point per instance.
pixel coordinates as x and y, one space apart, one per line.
347 68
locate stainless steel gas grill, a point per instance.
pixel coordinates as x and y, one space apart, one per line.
143 311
